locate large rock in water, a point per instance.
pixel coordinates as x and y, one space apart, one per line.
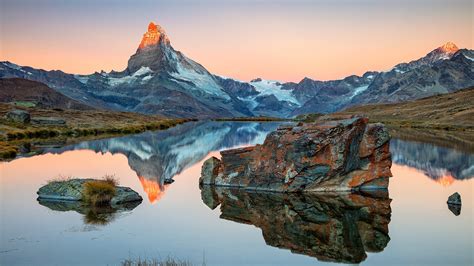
339 155
71 190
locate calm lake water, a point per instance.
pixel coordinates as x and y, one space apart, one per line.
177 220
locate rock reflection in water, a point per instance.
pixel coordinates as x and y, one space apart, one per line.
455 209
93 215
330 227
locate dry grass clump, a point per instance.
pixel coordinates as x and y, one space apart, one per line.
99 192
110 179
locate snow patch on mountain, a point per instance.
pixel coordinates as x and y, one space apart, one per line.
358 90
398 70
469 58
271 87
191 73
130 78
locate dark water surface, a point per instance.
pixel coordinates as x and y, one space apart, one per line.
412 225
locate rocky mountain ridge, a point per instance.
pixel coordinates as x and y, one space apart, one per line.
161 80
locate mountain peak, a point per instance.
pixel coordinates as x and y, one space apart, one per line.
449 48
153 36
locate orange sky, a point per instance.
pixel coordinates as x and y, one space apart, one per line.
283 40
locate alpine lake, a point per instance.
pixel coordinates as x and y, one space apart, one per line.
203 226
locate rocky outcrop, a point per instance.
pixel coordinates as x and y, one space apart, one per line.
18 116
337 227
72 190
340 155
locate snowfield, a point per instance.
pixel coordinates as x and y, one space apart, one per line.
269 87
131 78
358 90
202 81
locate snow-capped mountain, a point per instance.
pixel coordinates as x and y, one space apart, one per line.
161 80
437 73
444 52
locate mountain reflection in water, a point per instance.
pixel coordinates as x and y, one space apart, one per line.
443 165
159 156
328 226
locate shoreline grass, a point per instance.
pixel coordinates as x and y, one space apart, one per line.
88 125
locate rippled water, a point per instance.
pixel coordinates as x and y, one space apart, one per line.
413 225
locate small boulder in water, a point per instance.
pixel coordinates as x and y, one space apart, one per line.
454 199
73 190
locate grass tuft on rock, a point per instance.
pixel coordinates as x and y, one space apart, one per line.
99 192
59 179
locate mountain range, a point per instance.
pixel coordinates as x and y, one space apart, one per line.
161 80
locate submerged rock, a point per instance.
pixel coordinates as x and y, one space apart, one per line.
330 226
454 199
18 116
72 189
340 155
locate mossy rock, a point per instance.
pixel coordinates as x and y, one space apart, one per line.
72 190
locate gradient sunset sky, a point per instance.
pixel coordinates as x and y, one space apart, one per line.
280 40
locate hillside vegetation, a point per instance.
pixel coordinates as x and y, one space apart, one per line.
453 111
80 125
28 93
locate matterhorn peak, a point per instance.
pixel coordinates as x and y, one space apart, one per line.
449 48
153 36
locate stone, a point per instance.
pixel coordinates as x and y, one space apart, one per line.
209 171
18 116
168 181
48 121
71 190
338 155
454 199
455 209
330 226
